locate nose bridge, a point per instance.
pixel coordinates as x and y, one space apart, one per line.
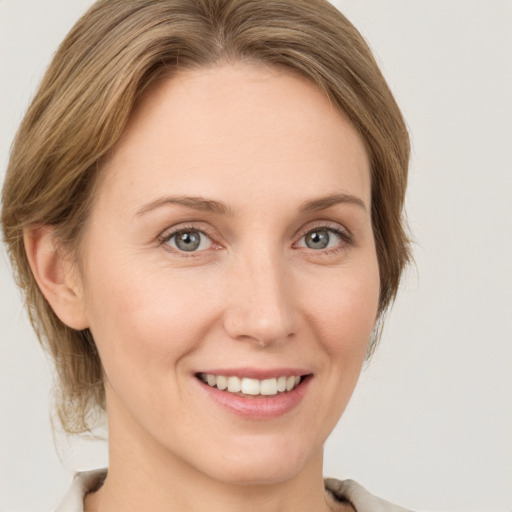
261 304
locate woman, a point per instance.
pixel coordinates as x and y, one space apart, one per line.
204 208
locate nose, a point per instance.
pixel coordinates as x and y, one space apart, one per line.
261 300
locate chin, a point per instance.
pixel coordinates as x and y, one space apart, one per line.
258 474
268 465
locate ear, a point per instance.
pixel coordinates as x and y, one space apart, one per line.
55 276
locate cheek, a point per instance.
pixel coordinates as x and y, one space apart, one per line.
144 334
345 309
342 314
144 319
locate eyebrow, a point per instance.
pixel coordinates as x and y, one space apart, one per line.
323 203
192 202
210 205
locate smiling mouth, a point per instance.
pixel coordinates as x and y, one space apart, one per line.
251 387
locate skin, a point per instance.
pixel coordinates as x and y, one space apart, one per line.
262 142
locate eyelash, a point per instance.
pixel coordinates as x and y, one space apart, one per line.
167 236
344 235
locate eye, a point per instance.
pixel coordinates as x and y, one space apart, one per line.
322 238
188 240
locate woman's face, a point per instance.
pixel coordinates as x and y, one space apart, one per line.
231 242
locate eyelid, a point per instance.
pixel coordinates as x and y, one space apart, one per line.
336 228
167 234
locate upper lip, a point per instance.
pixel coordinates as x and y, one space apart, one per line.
257 373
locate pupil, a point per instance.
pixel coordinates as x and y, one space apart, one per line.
188 241
317 239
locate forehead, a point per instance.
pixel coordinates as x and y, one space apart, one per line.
250 124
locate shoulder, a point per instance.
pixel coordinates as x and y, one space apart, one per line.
83 483
358 496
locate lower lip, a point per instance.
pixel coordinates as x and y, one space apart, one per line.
258 408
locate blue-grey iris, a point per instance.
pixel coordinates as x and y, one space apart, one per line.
318 239
188 240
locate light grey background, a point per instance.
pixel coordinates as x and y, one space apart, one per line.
430 425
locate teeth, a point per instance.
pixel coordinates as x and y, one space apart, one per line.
222 382
250 386
266 387
281 384
234 384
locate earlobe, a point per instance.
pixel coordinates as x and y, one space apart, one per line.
54 275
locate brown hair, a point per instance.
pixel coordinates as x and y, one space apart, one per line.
113 53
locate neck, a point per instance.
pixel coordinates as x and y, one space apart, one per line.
143 475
